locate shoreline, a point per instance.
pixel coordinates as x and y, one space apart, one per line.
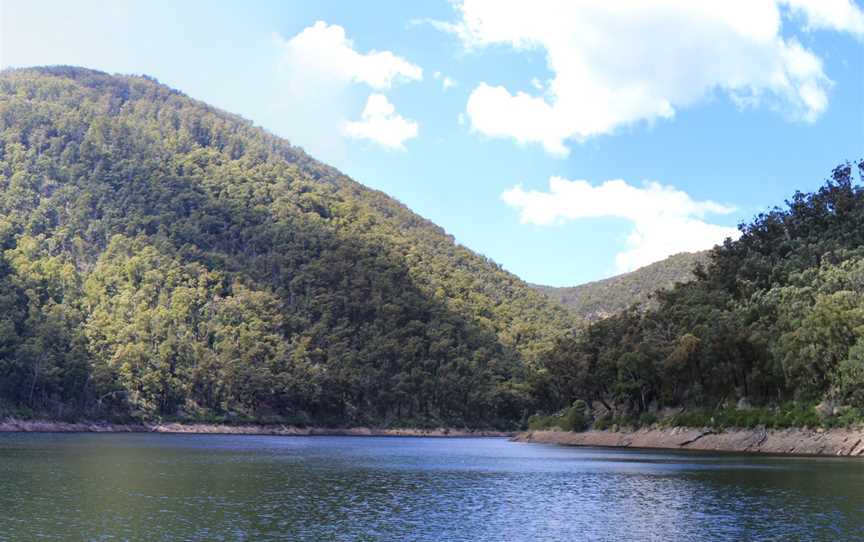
798 441
12 425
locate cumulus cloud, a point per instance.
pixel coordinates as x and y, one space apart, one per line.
665 220
317 67
617 63
380 123
325 49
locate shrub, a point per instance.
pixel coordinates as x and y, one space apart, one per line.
791 414
849 378
604 423
574 418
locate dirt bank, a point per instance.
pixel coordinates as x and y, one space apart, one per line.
30 426
842 442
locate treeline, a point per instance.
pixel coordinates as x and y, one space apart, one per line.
161 258
774 317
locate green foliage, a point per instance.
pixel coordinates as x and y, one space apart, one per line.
161 258
850 376
847 417
792 414
774 318
600 299
574 418
609 422
539 422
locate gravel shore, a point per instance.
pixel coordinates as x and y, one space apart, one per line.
835 442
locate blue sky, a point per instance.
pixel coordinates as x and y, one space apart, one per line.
571 141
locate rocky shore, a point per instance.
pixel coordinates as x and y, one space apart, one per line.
12 425
836 442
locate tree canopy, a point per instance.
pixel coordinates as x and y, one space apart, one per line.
162 258
159 257
775 316
603 298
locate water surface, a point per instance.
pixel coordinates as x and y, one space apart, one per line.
206 487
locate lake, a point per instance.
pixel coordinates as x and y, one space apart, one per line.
206 487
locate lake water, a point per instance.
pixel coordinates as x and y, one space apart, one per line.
205 487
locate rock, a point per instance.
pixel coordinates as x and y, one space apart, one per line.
599 409
825 408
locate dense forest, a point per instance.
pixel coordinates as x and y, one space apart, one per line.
603 298
160 258
773 325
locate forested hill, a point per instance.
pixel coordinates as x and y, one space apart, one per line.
775 320
603 298
163 258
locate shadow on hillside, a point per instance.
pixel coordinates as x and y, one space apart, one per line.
209 188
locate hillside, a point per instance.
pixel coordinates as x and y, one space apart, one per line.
600 299
162 258
772 326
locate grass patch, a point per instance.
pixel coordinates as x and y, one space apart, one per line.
784 416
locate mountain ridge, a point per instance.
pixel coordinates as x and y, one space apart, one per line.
162 257
602 298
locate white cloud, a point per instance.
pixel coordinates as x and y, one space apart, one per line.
317 69
326 49
665 220
618 63
446 81
495 112
839 15
380 123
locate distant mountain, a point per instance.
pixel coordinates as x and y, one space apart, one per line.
603 298
160 257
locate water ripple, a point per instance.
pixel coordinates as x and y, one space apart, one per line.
235 488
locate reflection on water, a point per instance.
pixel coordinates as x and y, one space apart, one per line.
205 487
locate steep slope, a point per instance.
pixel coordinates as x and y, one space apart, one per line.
600 299
161 257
